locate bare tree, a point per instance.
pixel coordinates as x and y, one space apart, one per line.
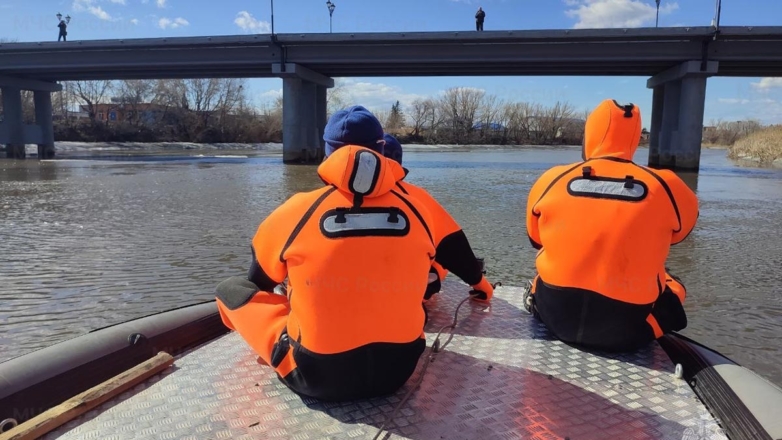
382 115
418 113
460 107
336 97
62 103
553 121
434 115
134 93
90 94
489 112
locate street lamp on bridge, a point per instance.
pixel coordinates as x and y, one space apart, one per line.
63 25
657 20
67 18
331 7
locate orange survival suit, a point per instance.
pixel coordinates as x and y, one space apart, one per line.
453 250
356 253
603 228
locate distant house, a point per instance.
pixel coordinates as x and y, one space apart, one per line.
146 113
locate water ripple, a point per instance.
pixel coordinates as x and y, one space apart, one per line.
90 243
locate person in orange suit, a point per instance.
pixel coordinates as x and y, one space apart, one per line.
356 253
454 252
604 228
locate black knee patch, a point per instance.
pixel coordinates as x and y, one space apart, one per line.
669 312
236 292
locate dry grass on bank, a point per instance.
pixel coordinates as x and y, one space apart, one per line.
764 146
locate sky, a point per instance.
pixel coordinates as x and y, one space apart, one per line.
726 99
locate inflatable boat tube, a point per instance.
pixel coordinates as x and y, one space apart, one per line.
35 382
746 405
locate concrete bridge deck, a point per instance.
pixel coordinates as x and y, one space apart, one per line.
678 60
741 51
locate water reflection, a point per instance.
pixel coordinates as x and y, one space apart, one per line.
691 179
29 171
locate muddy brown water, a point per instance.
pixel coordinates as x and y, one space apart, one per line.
89 243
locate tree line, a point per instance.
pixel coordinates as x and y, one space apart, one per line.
219 110
170 110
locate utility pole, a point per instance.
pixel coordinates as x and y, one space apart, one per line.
657 20
717 17
272 17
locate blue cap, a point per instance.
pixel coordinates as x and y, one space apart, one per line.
392 149
353 126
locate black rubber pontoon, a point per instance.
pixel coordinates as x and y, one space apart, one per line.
503 376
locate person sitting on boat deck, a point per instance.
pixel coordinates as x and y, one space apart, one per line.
356 253
454 252
604 228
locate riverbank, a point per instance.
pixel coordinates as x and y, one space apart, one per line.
270 147
762 148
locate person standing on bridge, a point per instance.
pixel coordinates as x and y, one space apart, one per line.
63 31
479 17
454 252
603 228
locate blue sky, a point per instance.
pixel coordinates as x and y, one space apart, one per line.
727 98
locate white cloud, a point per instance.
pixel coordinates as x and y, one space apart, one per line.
119 2
99 12
167 23
733 101
768 83
161 3
134 21
271 95
92 8
595 14
765 110
248 23
743 101
373 96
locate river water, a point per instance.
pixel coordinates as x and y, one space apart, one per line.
89 243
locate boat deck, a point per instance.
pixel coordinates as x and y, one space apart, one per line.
503 376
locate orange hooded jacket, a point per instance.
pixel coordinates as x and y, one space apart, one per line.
453 250
605 225
356 253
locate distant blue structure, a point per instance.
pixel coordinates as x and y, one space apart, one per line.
490 126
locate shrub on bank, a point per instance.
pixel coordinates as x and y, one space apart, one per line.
764 146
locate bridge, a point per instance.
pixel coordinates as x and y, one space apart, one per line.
677 61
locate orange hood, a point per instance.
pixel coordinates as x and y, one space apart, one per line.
398 170
612 130
358 170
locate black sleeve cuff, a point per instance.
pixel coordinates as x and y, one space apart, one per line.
259 277
455 255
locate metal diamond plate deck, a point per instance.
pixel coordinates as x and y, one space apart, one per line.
502 377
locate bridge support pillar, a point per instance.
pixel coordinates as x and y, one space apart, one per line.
303 113
679 98
13 131
12 128
43 119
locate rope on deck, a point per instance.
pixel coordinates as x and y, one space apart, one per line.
436 348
